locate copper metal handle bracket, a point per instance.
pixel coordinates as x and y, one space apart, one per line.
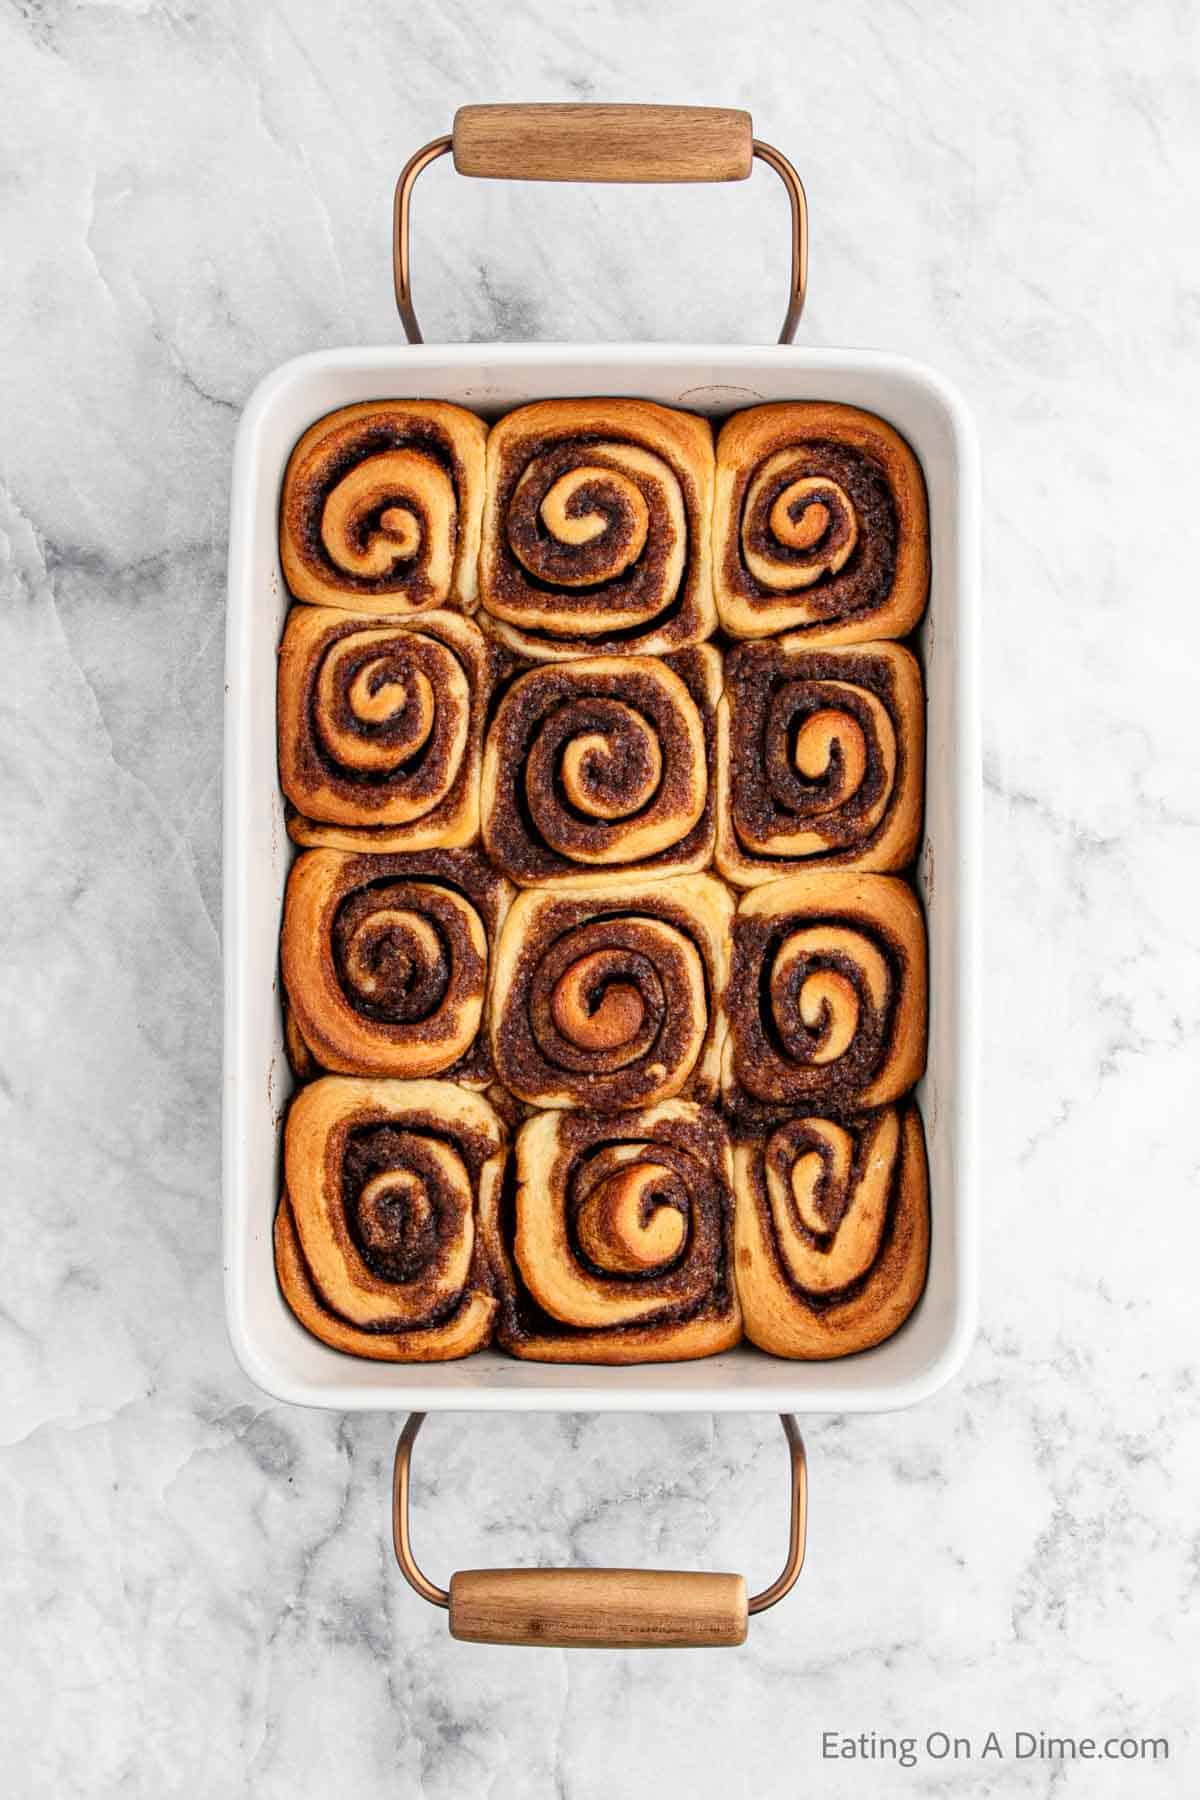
633 170
599 1608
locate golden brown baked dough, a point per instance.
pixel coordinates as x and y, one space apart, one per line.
381 728
600 767
827 993
819 524
301 1061
831 1229
820 759
607 1000
381 507
596 531
616 1245
376 1239
385 961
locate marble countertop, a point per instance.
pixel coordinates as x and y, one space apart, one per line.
196 1585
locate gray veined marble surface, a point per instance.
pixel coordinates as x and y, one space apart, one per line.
198 1597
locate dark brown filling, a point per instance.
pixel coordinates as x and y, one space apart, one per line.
679 1183
402 1225
306 492
635 1023
787 1144
412 988
609 561
690 1155
406 970
437 1316
425 771
865 581
408 1236
538 721
806 797
528 565
621 1003
776 1061
773 695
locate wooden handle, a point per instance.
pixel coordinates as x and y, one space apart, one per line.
603 143
602 1609
599 143
599 1609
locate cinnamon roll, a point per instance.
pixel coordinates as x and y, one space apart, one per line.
819 525
385 961
614 1243
381 508
604 1000
377 1246
831 1231
820 759
827 994
597 768
381 728
596 529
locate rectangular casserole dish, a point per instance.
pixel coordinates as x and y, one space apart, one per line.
275 1351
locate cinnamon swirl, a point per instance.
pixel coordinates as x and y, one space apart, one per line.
604 1000
381 728
597 768
381 508
614 1245
819 525
596 529
385 961
820 759
376 1241
827 994
831 1231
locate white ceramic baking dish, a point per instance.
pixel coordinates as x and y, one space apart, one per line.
272 1347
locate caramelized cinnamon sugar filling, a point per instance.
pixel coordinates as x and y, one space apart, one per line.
381 727
827 995
592 515
816 516
828 1193
405 1191
812 1006
385 960
376 1237
620 1232
596 533
832 1230
371 508
820 525
809 751
820 759
385 708
599 764
395 944
610 1008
